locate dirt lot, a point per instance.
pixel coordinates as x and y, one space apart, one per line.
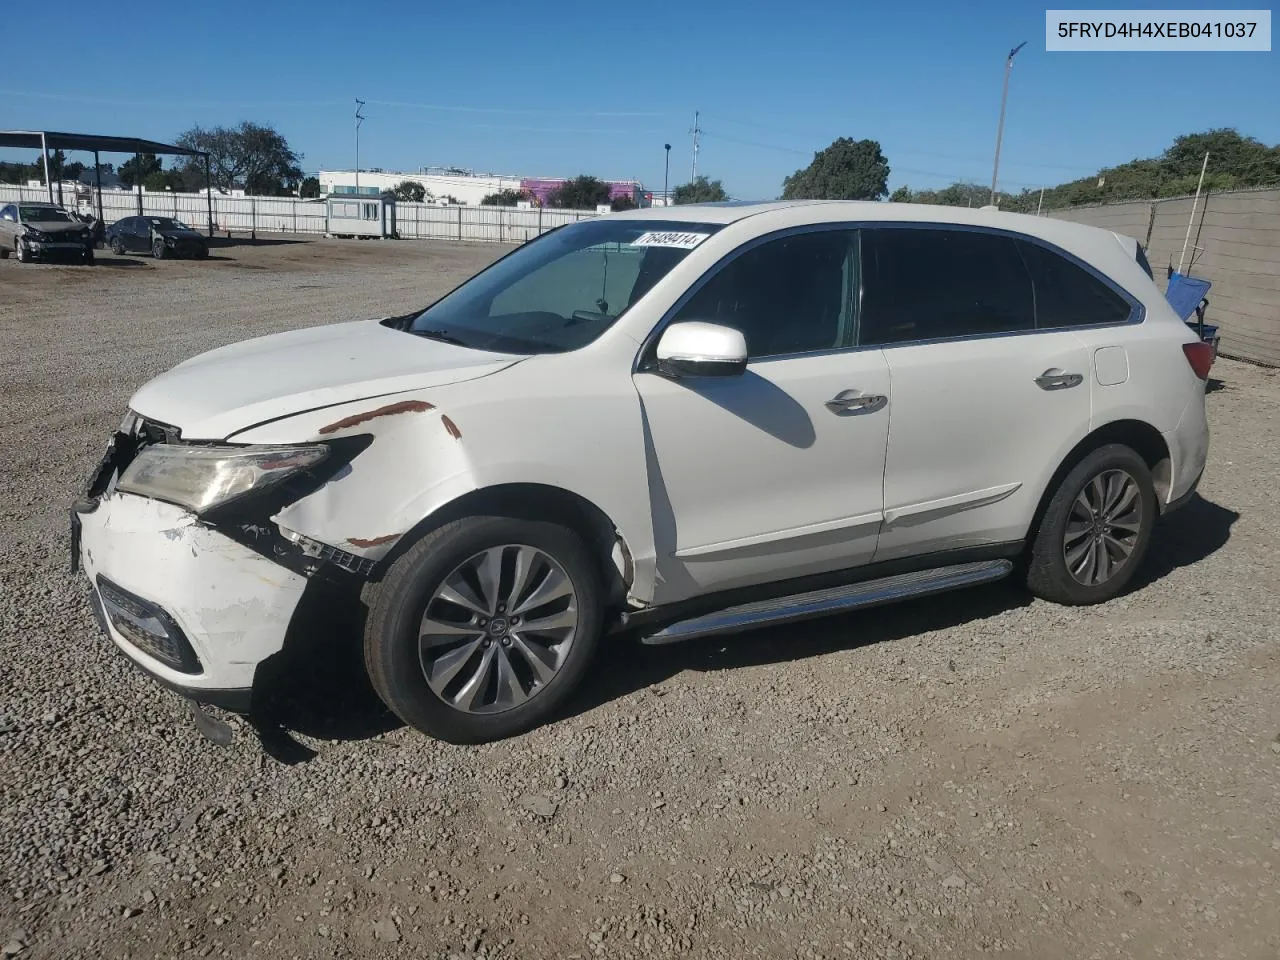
968 775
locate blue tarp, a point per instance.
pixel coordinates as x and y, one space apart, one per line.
1185 293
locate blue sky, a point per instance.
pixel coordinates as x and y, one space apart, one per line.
560 88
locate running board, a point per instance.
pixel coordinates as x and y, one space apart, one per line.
821 603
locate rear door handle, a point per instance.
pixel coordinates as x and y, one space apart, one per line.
847 400
1055 379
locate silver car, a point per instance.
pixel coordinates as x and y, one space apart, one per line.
34 231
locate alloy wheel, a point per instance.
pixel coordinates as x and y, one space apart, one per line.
497 629
1103 527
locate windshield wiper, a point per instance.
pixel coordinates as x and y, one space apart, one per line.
442 335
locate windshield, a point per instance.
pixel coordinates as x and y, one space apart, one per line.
561 291
165 223
43 215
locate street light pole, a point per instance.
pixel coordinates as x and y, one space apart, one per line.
359 120
1004 96
666 177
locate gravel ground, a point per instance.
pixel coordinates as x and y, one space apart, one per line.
971 774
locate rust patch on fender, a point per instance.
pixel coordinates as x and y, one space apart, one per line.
391 409
452 427
375 542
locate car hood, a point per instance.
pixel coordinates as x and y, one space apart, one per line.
178 234
224 391
56 226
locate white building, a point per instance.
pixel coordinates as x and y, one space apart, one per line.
465 187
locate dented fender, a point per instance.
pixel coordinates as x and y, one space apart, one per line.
427 449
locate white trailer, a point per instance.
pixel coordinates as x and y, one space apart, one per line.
356 216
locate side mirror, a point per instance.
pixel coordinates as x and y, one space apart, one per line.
697 349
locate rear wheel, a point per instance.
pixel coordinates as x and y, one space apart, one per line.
1096 529
485 627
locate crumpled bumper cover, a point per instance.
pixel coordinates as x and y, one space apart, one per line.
232 605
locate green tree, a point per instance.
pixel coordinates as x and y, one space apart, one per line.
902 195
846 170
410 191
622 202
309 189
165 180
504 198
138 168
580 193
253 156
20 172
699 190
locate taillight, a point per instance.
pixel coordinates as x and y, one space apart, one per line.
1200 356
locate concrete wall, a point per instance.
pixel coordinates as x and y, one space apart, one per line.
1235 244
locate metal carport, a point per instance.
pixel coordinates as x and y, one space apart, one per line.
46 140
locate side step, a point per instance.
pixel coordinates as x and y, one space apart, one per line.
821 603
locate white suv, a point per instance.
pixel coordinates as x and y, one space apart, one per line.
669 423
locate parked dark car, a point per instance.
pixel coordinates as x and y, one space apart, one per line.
161 236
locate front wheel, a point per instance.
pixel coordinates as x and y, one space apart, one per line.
158 249
87 257
1096 529
484 627
22 251
117 246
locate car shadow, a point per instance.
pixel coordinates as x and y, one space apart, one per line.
1213 385
234 241
629 666
117 262
1185 537
318 687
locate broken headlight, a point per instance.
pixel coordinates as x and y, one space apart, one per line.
201 478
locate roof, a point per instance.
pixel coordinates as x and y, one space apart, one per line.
727 212
31 139
831 211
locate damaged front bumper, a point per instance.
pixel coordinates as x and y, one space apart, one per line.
201 606
191 606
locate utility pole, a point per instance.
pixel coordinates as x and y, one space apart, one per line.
697 136
1008 69
359 120
1041 203
666 178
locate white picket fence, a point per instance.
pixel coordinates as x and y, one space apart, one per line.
252 215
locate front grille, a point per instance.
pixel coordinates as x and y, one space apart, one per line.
148 627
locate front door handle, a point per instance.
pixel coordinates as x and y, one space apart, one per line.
1055 379
847 400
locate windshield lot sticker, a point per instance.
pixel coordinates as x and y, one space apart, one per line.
665 238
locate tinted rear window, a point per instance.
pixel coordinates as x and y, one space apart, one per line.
927 284
1067 295
1142 262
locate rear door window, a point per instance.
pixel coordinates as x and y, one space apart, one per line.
1067 295
936 283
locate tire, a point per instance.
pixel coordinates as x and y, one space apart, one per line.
158 249
1096 529
487 648
21 251
4 253
117 246
87 257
